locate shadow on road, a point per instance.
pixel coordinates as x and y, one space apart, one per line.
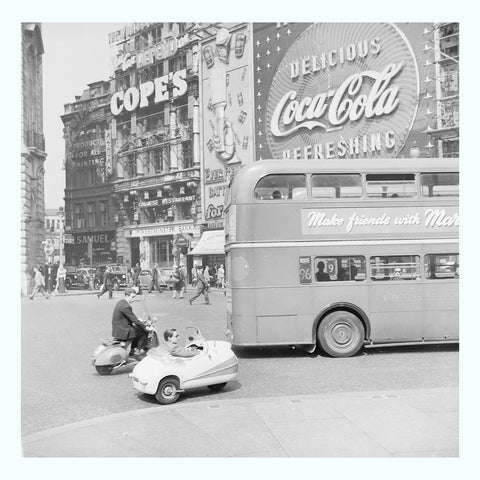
272 352
296 352
201 393
446 347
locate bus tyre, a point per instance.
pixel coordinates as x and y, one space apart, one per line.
341 334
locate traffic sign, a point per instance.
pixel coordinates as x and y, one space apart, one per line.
68 239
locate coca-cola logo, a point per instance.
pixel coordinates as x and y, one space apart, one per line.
343 91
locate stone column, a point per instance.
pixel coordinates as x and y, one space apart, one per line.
173 139
196 133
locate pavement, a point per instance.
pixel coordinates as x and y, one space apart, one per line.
400 423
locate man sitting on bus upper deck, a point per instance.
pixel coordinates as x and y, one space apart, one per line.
320 275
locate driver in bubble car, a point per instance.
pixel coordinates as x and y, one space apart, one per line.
171 337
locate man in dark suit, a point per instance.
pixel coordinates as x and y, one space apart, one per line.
202 287
107 284
126 325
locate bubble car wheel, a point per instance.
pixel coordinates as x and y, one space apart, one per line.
167 391
341 334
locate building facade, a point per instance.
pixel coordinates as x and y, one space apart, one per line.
53 231
33 156
133 151
89 226
442 49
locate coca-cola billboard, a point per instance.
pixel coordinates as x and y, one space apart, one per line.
333 90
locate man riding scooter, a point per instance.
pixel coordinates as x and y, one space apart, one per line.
126 325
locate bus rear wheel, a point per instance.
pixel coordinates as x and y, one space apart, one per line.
341 334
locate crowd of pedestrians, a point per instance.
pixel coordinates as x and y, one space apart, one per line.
202 278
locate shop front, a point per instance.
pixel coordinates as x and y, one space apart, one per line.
166 245
210 250
86 248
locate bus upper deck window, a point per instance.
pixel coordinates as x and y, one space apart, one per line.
336 186
397 185
281 187
439 184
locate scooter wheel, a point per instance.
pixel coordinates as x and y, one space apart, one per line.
104 369
167 391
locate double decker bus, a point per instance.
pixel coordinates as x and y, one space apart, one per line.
343 254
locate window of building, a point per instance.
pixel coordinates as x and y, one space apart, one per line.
336 186
187 154
344 268
439 184
161 250
451 148
281 187
182 115
103 204
391 185
177 63
441 266
79 215
403 267
91 214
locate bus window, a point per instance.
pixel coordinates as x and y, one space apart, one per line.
442 266
339 268
390 185
405 267
281 187
439 184
336 186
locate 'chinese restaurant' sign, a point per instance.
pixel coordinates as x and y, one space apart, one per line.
337 90
373 221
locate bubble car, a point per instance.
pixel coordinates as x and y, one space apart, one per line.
166 376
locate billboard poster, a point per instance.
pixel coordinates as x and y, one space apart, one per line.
227 113
338 90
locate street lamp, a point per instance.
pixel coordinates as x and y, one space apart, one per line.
61 270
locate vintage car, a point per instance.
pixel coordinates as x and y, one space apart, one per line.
166 377
75 278
120 275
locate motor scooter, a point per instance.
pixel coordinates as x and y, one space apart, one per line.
113 353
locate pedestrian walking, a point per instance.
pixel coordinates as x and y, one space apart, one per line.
220 277
154 282
107 284
178 283
202 287
194 276
39 284
136 281
183 276
206 274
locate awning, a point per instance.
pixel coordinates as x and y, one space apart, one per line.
212 242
